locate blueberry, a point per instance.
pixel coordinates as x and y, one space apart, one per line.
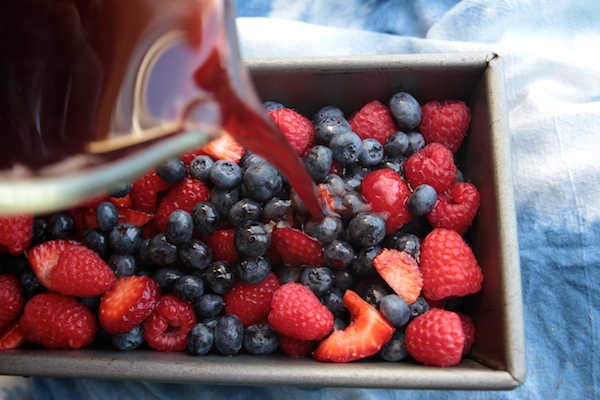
353 203
362 266
219 277
334 184
95 240
226 174
61 225
208 305
346 147
420 306
406 110
325 230
338 254
253 270
122 264
223 200
459 176
229 335
373 292
161 251
396 164
120 190
195 255
166 278
260 340
271 105
144 254
421 200
328 127
262 181
286 274
396 145
408 242
125 239
126 341
107 216
371 153
339 324
328 111
394 350
200 339
30 285
93 303
189 288
172 171
343 279
317 279
367 229
276 209
245 210
180 227
200 167
252 239
40 231
318 162
334 301
249 159
416 142
395 310
206 218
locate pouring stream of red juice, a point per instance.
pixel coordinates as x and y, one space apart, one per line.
93 93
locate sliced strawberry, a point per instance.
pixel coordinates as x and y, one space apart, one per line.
121 201
12 337
70 268
367 332
138 218
401 272
224 148
296 247
130 300
44 258
221 243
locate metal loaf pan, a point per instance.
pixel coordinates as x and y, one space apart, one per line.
497 360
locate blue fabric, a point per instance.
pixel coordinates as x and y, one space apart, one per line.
552 69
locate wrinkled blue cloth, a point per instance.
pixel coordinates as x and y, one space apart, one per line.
552 68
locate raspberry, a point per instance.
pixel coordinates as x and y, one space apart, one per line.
222 245
182 196
56 321
295 347
455 208
436 338
15 232
11 299
297 312
298 129
12 337
448 266
375 121
386 193
145 191
445 122
251 303
432 165
166 329
468 330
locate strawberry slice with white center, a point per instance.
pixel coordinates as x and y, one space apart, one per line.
297 248
367 332
401 272
130 300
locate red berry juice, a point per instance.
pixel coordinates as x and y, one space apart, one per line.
97 80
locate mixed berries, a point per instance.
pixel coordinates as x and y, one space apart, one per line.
213 251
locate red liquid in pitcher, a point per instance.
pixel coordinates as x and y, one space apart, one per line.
80 75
